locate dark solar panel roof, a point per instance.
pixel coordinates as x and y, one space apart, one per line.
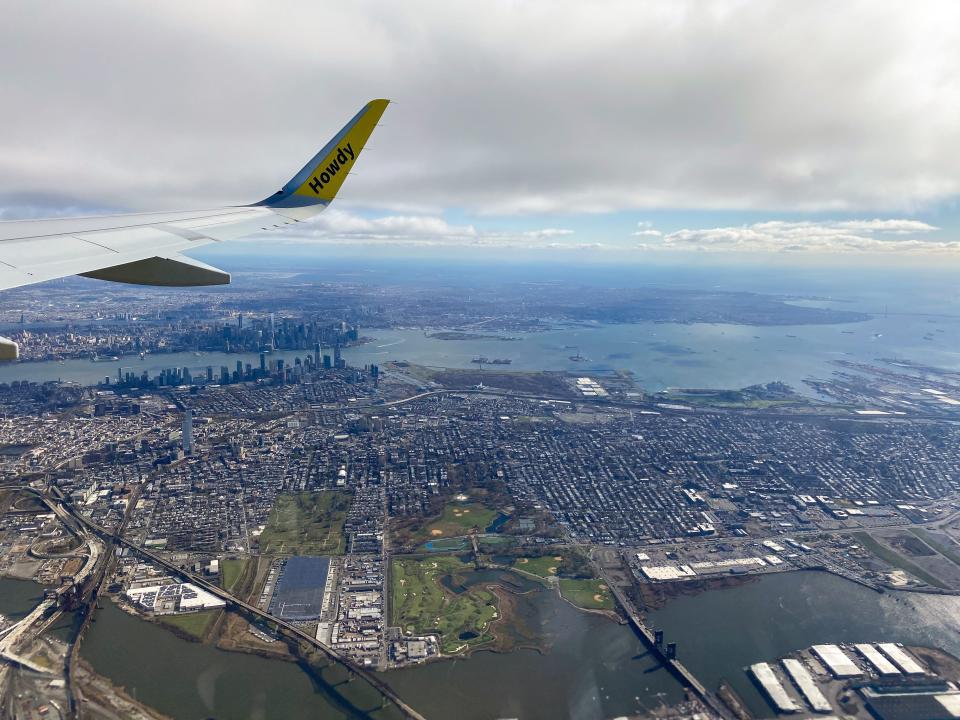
299 591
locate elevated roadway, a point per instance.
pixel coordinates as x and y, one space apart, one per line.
236 602
23 662
672 664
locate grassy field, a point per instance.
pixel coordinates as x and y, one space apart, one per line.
540 383
193 624
306 523
422 604
459 518
545 566
230 571
496 542
753 398
587 594
941 544
896 559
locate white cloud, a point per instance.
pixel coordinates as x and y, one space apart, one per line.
341 227
899 227
827 236
646 229
339 223
338 227
503 107
548 233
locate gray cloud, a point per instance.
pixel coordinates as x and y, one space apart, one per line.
502 107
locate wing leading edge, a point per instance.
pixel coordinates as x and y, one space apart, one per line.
145 248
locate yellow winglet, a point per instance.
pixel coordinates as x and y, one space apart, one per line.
320 179
328 175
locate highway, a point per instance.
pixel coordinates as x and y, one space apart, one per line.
662 406
25 628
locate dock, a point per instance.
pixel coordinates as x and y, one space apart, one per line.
884 667
767 679
901 658
837 661
802 679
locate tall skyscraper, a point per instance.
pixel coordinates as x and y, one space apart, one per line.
316 355
187 432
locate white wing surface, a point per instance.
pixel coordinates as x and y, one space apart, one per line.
145 248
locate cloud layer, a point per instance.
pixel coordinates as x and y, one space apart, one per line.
340 227
816 237
891 235
502 107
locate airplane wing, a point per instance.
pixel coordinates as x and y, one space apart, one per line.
145 248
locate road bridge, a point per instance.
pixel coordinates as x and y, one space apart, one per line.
236 602
672 664
23 662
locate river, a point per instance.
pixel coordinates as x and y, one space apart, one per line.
660 355
720 632
592 667
595 670
191 681
18 597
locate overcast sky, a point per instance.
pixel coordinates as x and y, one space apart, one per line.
628 126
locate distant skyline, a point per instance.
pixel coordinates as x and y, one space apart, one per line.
614 129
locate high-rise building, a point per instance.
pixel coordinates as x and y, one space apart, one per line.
316 355
187 432
263 362
240 321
